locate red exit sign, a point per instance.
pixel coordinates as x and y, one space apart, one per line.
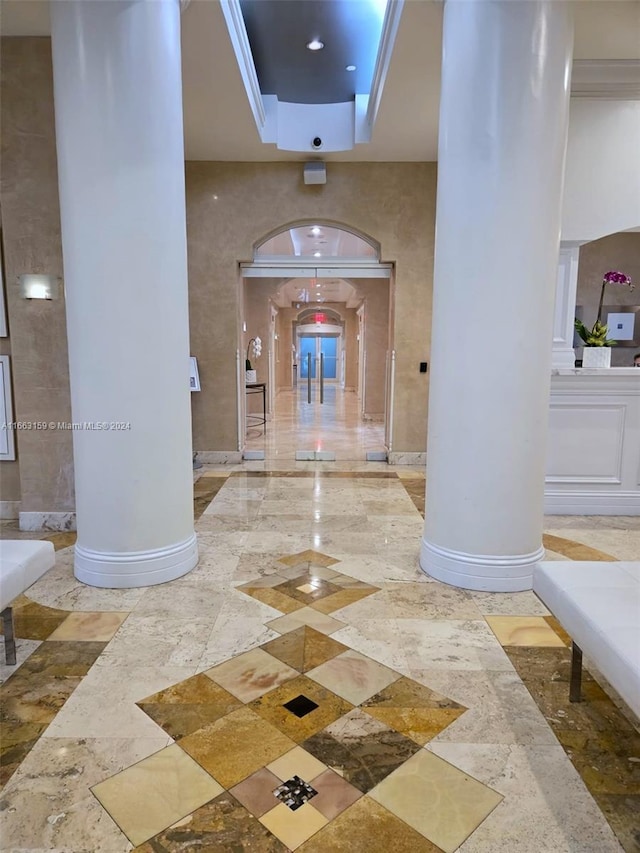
321 318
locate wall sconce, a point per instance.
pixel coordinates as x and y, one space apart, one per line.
39 286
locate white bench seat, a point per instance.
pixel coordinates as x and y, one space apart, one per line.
22 562
598 604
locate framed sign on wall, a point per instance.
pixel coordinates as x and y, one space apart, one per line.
623 322
7 436
194 376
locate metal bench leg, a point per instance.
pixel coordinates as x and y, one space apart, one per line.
575 687
9 641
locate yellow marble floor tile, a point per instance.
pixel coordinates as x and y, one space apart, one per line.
322 572
353 676
367 826
293 827
341 599
271 708
236 746
436 799
251 674
413 709
574 550
35 621
99 626
189 705
274 598
304 648
154 793
306 616
298 762
523 631
553 623
419 724
308 556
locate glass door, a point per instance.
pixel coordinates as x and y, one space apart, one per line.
323 349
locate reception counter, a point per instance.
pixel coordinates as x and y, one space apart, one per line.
593 450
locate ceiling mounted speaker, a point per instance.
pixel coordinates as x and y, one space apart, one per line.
315 173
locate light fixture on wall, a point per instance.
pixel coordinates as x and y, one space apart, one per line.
35 286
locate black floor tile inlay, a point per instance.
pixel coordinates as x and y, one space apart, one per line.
295 793
301 706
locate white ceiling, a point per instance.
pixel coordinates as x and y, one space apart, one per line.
218 121
310 291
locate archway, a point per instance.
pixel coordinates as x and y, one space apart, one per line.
320 299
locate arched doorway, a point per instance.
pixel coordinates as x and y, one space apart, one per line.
320 299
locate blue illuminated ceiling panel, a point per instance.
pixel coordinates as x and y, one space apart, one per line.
279 31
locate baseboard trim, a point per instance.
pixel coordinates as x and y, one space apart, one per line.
58 521
407 457
137 568
557 502
219 457
485 572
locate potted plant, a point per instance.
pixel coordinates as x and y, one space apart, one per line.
251 375
597 346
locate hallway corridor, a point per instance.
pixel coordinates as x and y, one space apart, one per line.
335 426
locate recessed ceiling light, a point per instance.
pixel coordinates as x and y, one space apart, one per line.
350 68
315 44
315 230
317 254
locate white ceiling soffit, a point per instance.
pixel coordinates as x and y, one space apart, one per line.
312 126
310 291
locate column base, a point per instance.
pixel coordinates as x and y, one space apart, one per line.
488 573
135 569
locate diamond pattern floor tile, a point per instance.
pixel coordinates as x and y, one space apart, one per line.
335 794
304 648
353 676
236 746
154 793
293 827
256 791
413 709
251 674
362 750
222 824
306 616
308 556
297 763
436 799
189 705
384 832
271 707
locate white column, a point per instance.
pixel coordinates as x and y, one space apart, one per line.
503 130
118 103
563 354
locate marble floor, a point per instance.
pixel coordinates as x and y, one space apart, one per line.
334 426
308 688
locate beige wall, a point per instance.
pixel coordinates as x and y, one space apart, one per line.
231 206
375 294
31 234
615 252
